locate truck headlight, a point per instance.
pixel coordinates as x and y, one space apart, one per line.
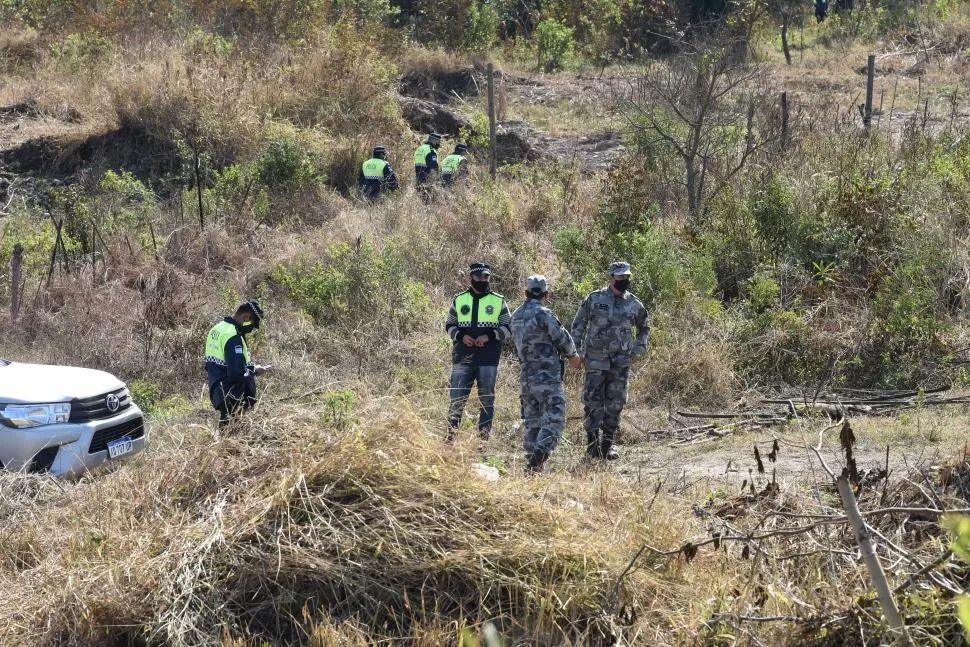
20 416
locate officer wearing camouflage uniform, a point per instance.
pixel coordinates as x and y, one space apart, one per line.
603 331
541 342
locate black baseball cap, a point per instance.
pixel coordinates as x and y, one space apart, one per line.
253 307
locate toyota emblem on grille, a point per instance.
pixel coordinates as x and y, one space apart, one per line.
112 402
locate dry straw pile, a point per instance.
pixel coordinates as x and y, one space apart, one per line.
279 531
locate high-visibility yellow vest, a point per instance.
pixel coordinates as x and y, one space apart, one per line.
215 344
451 163
374 169
489 309
421 155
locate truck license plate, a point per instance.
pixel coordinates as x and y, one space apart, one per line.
120 447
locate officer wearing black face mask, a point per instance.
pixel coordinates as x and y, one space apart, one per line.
611 332
231 372
477 323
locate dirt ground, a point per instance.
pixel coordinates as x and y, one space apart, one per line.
920 441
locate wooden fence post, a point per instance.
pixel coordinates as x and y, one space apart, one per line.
889 608
198 187
784 120
870 80
492 153
16 268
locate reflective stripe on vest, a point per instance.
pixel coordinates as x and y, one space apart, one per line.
421 155
489 309
215 344
374 169
451 164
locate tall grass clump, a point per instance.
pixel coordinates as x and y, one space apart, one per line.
367 530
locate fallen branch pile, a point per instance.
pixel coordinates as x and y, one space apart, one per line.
789 534
780 410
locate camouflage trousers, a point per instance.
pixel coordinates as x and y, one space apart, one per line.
604 395
544 413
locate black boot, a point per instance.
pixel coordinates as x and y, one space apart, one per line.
536 461
452 434
593 450
484 433
609 449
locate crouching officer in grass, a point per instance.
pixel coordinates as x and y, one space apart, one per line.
603 331
231 372
376 175
426 160
541 342
478 323
453 167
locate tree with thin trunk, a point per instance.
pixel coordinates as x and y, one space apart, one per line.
705 109
784 12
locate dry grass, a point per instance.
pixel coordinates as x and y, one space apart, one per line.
325 523
286 524
910 70
19 47
298 527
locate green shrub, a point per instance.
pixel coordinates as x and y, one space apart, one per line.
121 204
341 408
145 394
477 136
491 207
37 237
763 293
287 165
665 269
470 25
354 285
235 193
555 45
773 211
730 237
482 27
908 324
366 14
79 52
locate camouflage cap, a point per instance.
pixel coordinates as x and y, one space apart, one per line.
536 285
619 267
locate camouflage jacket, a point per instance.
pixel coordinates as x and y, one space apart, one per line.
603 329
541 342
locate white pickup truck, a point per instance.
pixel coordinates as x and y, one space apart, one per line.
65 420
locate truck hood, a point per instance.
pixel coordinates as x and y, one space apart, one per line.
42 383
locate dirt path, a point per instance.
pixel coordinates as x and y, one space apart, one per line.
729 461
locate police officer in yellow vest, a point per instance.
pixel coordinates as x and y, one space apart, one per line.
478 322
376 175
453 166
230 369
426 159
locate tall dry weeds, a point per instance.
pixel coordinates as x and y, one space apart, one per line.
280 525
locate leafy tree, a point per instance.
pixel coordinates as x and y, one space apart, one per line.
555 45
704 108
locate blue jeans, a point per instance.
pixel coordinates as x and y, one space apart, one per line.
462 378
